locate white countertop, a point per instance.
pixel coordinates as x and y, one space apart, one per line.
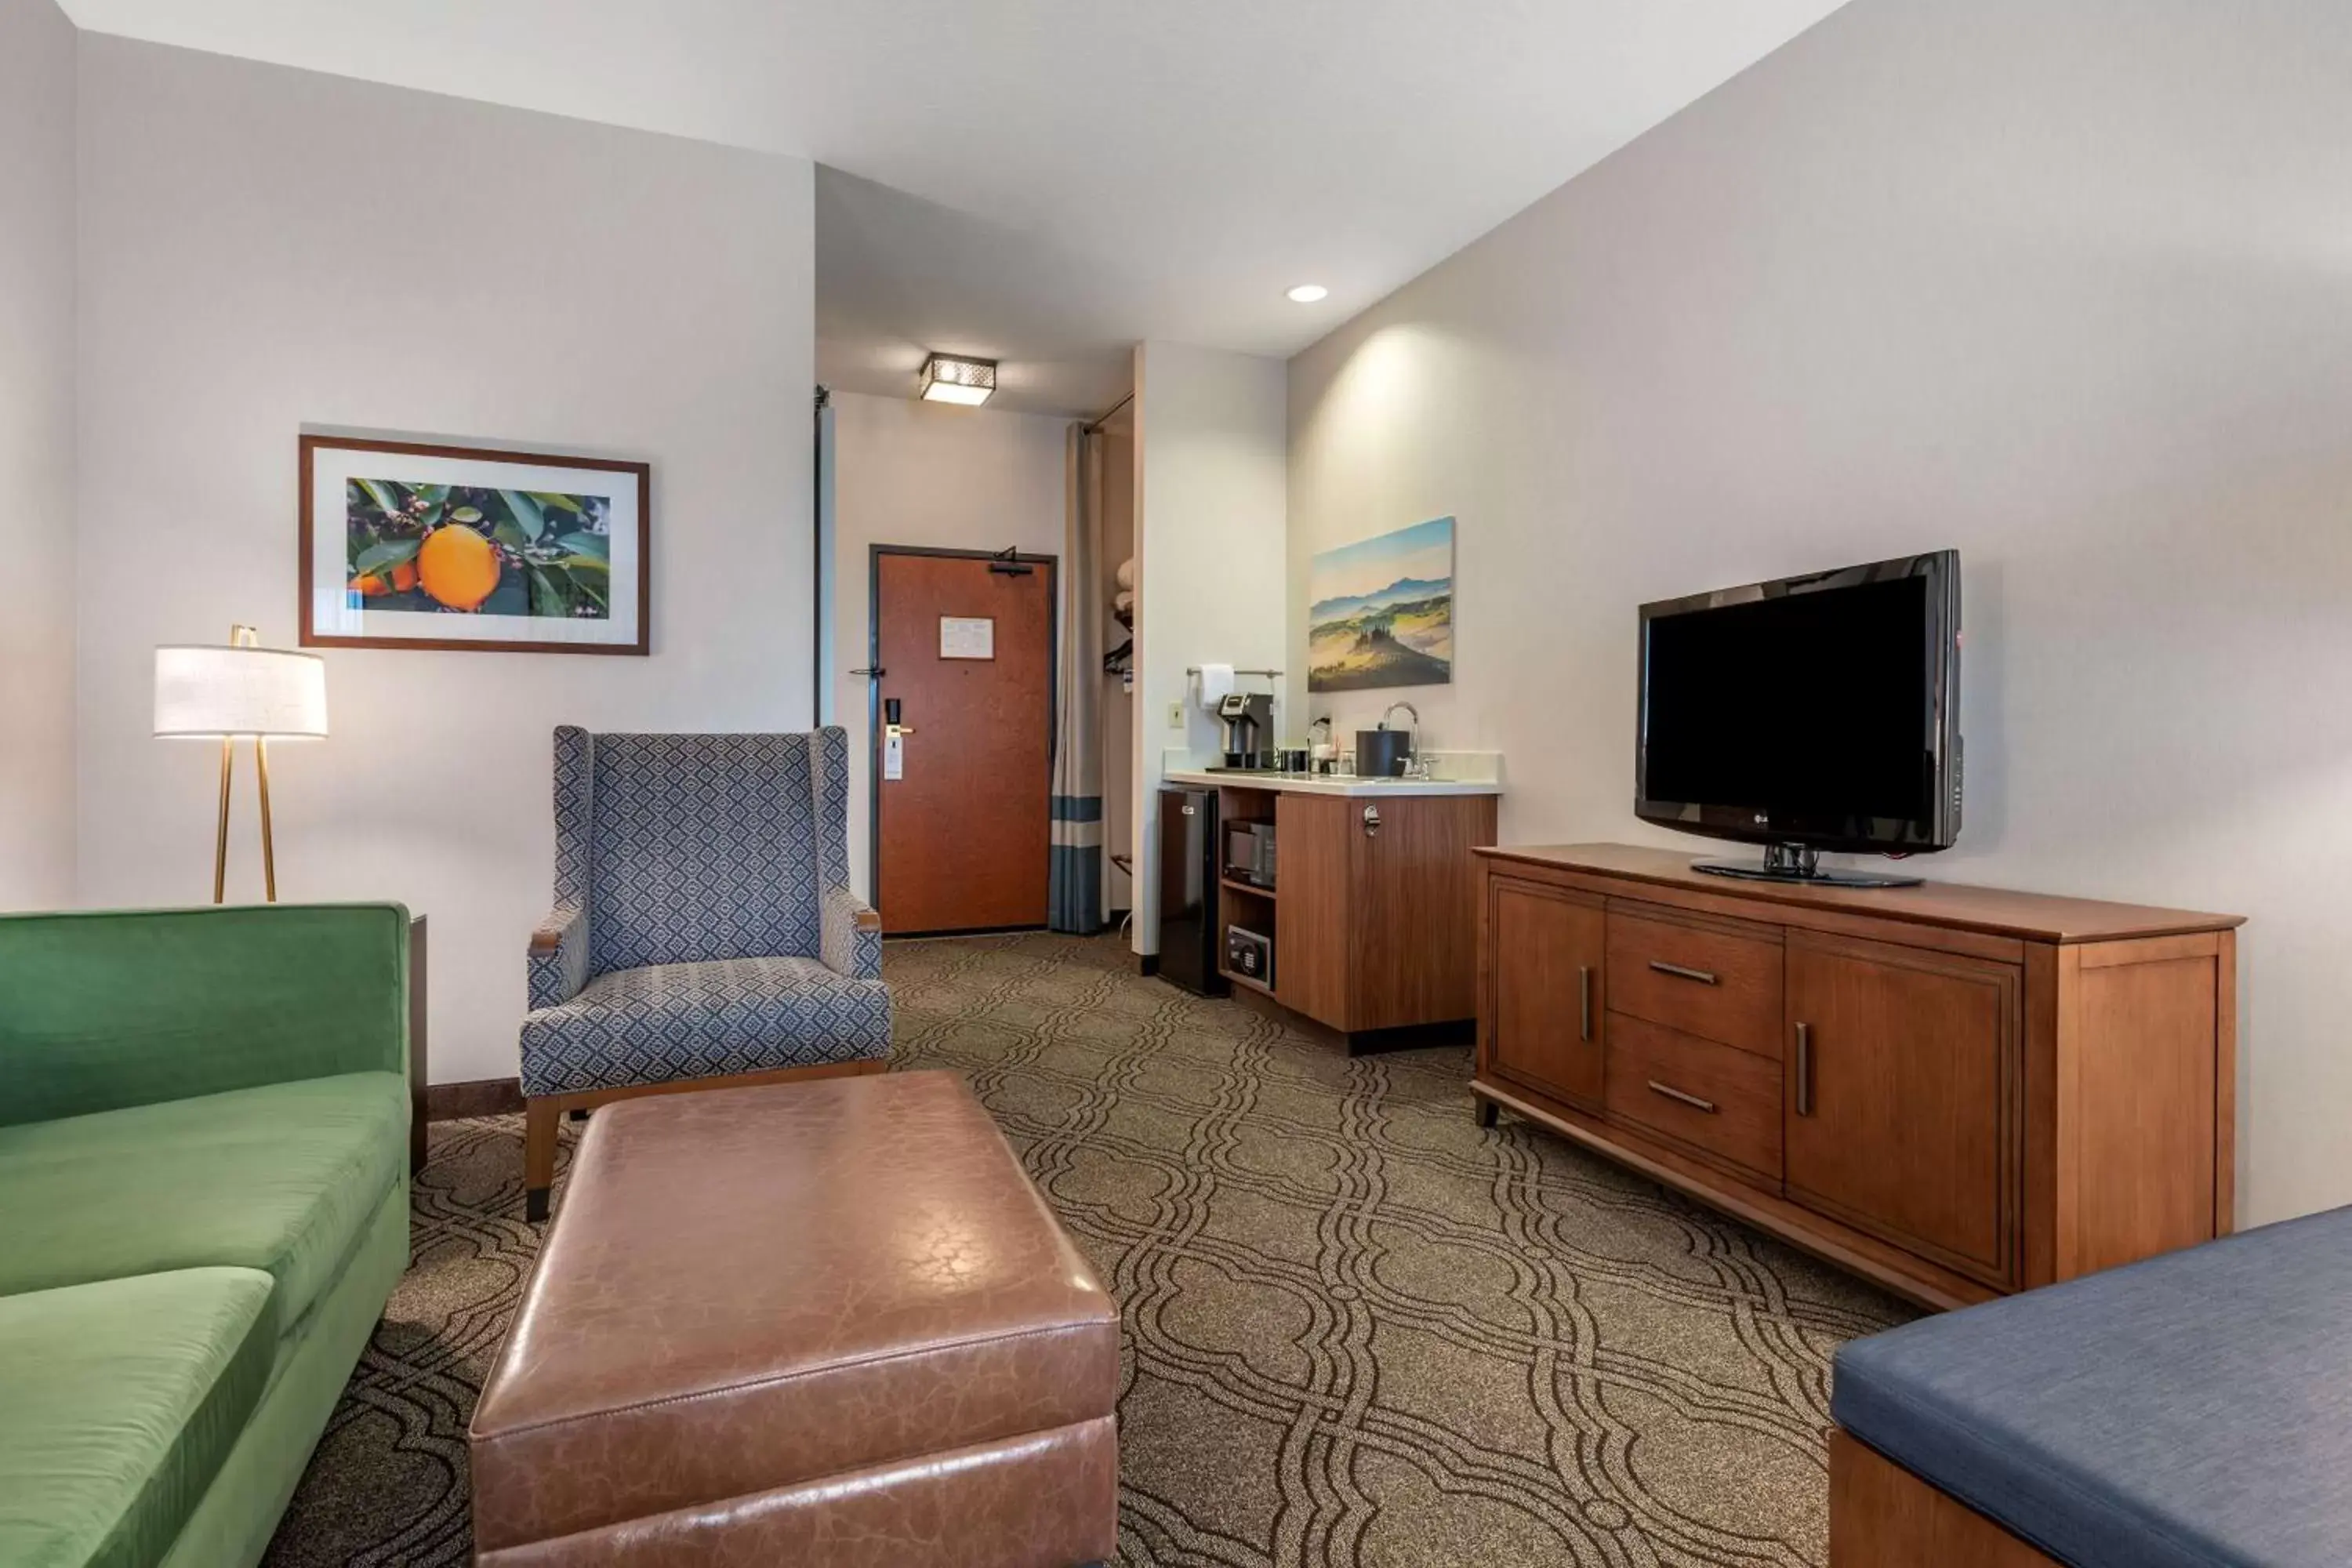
1329 784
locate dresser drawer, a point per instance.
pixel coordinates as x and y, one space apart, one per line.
1708 981
1723 1101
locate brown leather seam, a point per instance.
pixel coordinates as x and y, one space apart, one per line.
1067 1428
779 1379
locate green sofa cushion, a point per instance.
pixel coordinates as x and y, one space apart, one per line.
121 1400
281 1178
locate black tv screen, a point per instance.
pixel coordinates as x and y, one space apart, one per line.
1813 710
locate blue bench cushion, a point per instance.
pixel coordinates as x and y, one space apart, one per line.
2195 1409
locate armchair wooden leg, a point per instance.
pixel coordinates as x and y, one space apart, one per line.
539 1121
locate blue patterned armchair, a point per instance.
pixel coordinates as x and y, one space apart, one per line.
703 930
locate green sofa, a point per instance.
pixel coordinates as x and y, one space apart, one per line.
203 1208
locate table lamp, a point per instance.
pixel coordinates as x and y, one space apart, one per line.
225 694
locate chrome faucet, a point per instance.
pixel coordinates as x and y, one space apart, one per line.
1416 764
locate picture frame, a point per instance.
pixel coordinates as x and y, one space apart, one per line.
412 544
1381 611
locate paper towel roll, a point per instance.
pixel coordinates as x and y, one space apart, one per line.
1216 684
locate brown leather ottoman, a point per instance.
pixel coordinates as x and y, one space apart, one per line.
826 1323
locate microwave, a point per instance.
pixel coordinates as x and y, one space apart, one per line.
1249 955
1249 853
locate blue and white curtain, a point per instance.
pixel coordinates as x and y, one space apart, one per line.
1075 902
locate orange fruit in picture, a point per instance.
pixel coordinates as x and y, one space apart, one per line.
458 567
403 577
372 587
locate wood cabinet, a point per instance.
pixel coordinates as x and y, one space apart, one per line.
1955 1091
1374 910
1902 1098
1548 958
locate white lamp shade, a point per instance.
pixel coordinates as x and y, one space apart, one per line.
209 692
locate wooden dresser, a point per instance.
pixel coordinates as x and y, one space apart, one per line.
1954 1091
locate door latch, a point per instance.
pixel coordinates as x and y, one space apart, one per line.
1371 822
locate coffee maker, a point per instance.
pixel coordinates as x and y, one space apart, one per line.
1248 718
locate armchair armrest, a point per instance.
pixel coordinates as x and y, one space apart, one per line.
559 957
852 936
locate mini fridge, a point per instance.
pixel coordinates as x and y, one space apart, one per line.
1188 890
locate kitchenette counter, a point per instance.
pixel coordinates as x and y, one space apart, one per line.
1327 784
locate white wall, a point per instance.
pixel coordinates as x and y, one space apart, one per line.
1210 526
36 454
933 475
264 249
2067 287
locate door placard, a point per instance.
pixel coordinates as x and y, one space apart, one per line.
967 636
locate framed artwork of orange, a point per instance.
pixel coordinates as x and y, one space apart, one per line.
409 545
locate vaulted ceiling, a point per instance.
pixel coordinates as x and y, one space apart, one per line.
1048 181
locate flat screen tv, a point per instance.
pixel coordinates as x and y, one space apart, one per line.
1810 714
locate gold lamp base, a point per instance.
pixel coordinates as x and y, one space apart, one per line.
243 636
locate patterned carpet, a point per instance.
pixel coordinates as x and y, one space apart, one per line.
1361 1331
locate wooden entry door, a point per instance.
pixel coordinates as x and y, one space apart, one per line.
962 837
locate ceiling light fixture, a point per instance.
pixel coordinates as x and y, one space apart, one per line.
1307 293
950 378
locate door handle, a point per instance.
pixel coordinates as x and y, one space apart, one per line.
1584 1002
1690 1100
1804 1069
1705 977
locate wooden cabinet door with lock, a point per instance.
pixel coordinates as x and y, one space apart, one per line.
1548 953
1903 1113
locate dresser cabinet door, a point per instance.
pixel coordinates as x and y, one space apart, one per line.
1546 970
1902 1106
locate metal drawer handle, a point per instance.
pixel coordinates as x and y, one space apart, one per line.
1804 1069
1690 1100
1705 977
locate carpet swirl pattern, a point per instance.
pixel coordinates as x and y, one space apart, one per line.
1360 1330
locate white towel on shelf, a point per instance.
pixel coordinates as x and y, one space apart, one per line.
1216 684
1125 601
1126 573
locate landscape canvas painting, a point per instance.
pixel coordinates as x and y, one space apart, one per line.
1381 611
453 547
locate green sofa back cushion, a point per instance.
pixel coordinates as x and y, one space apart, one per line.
106 1010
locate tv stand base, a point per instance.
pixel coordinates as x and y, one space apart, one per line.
1799 863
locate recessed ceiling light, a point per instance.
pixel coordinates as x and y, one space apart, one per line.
950 378
1307 293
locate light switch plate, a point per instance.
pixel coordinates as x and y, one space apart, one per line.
1175 715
